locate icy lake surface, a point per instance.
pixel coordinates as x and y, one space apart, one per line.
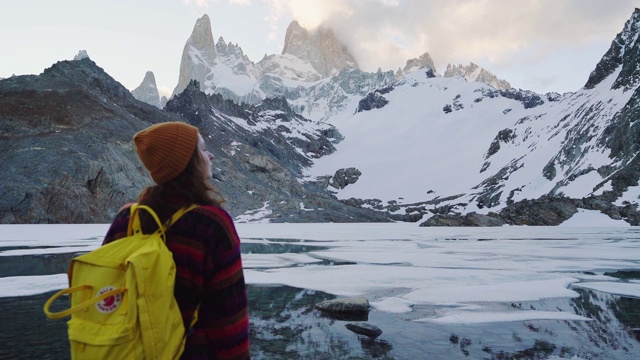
467 292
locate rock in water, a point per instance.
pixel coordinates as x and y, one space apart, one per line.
356 305
364 328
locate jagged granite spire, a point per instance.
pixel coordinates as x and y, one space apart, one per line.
148 91
414 64
320 48
473 72
198 56
81 55
624 51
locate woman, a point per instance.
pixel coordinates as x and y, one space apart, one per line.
204 242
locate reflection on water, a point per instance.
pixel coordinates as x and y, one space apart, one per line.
277 248
30 265
285 325
313 336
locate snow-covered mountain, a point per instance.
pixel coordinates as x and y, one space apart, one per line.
443 141
473 72
418 143
315 72
147 91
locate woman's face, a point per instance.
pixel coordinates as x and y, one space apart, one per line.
206 156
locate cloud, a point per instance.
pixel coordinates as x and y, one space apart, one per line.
200 3
205 3
386 33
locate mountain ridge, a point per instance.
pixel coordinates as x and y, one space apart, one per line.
311 62
442 151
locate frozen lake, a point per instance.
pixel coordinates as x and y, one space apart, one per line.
535 292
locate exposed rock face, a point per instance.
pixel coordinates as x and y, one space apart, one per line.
503 136
81 55
470 219
320 48
198 56
473 72
529 99
78 123
344 177
148 91
424 61
373 100
624 51
544 211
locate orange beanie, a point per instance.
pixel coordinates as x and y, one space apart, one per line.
166 148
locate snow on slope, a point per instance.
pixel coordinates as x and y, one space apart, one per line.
544 135
411 146
411 150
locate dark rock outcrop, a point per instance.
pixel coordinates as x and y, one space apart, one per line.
547 210
503 136
624 51
344 177
529 99
78 122
65 145
470 219
373 100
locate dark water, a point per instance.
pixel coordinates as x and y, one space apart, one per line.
284 325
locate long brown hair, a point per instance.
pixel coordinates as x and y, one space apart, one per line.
190 187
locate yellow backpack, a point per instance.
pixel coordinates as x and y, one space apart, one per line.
122 302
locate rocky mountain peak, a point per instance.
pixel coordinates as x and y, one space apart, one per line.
148 91
81 55
198 55
86 75
474 72
229 49
202 36
320 48
624 51
418 63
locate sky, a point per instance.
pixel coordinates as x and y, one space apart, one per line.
539 45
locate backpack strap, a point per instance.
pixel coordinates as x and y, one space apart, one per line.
179 214
134 219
